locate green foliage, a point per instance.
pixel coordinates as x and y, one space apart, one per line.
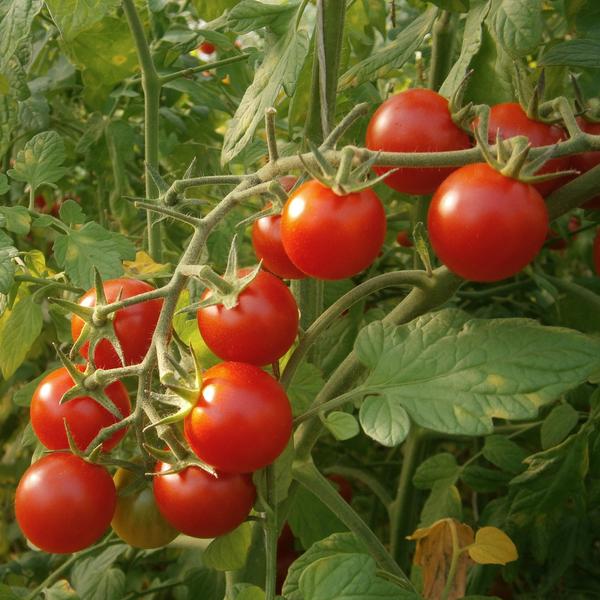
229 552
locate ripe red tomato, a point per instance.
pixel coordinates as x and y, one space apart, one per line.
134 325
84 415
485 226
207 47
201 505
403 239
64 504
597 252
511 120
259 330
416 120
242 421
329 236
137 519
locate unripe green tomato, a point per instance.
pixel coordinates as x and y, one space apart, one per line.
137 519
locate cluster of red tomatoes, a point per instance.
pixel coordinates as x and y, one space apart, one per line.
482 225
241 422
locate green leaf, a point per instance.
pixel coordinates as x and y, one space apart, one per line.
9 118
573 53
91 576
34 113
305 385
211 9
282 476
19 329
557 425
6 593
576 306
384 421
348 577
504 453
15 26
7 268
4 186
454 374
484 480
22 397
17 219
71 213
245 591
452 5
439 467
74 16
391 56
41 160
334 545
443 501
342 426
250 15
280 68
92 246
518 26
229 552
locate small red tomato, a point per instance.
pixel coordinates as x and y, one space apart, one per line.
485 226
509 120
242 421
64 504
259 330
416 120
597 252
329 236
85 417
403 239
206 47
134 325
200 504
41 204
344 487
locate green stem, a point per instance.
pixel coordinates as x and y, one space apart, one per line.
151 84
52 282
442 47
333 403
309 477
271 534
206 67
574 193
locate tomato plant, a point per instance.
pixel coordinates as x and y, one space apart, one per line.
203 505
242 420
597 252
84 416
329 236
485 226
63 504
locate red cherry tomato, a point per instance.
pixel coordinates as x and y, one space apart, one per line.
329 236
206 47
344 487
84 415
242 421
510 120
403 239
416 120
259 330
41 204
556 242
597 252
485 226
201 505
64 504
134 325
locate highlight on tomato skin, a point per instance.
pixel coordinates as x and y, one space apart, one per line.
201 505
85 416
242 421
64 504
484 226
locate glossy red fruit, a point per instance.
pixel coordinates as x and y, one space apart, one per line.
329 236
597 252
134 325
85 417
64 504
403 239
416 120
510 120
207 47
259 330
200 504
242 421
485 226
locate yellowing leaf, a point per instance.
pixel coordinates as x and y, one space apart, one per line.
144 266
492 547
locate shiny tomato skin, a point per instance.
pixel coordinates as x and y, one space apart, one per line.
64 504
329 236
259 330
134 325
266 240
485 226
137 520
416 120
597 252
510 120
242 421
84 415
202 505
207 47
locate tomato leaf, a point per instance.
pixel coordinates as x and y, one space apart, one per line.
518 26
574 53
342 426
41 160
250 15
439 467
452 5
74 16
229 552
443 502
454 374
504 453
15 25
17 219
94 578
384 421
246 591
79 251
4 187
557 425
71 213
